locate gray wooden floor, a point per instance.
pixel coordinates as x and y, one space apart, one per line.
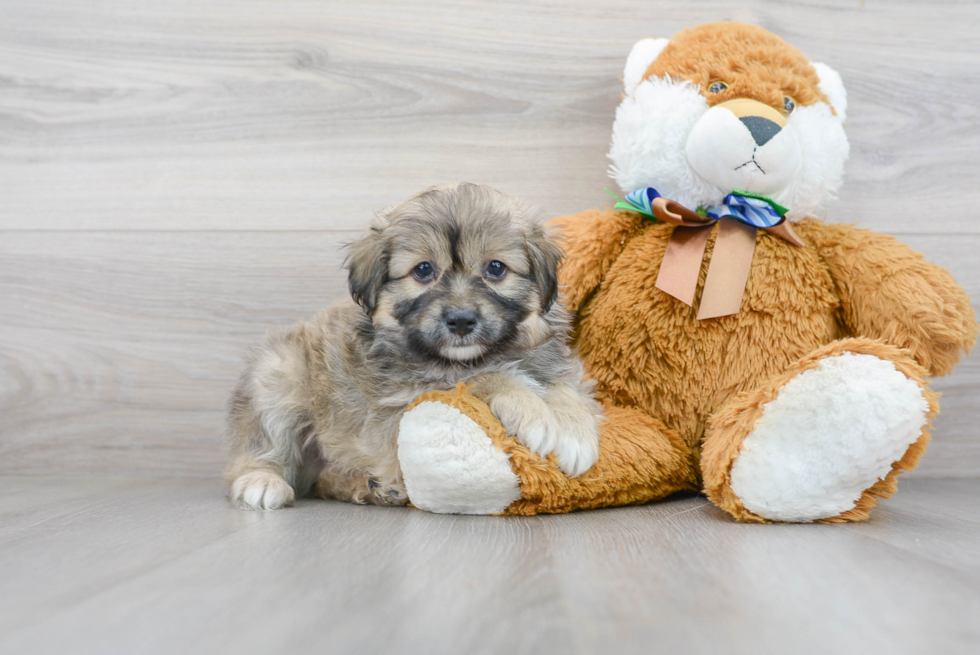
116 565
178 176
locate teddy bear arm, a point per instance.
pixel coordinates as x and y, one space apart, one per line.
592 241
456 457
640 460
888 291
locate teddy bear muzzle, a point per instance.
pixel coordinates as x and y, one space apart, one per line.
744 145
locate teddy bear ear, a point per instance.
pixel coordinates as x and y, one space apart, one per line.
641 56
833 87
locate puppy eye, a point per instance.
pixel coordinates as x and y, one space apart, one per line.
788 105
495 270
424 272
717 87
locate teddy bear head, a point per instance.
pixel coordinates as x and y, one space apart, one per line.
729 107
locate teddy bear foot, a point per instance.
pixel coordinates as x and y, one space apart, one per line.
822 444
450 465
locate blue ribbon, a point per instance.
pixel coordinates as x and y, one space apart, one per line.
749 208
641 200
757 211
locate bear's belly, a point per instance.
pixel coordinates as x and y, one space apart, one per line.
645 348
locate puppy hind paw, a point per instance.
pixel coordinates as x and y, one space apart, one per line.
261 490
392 494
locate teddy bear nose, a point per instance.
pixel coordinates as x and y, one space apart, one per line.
761 129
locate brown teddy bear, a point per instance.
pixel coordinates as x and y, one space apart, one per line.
741 346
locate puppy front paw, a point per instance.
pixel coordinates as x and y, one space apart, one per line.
565 423
577 447
527 417
572 436
578 416
261 490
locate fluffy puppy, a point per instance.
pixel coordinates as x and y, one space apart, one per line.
459 283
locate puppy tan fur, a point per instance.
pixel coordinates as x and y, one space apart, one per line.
457 283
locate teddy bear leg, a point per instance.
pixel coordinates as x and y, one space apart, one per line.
449 463
823 440
457 458
640 460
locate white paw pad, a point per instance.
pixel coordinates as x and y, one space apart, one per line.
261 490
450 465
830 434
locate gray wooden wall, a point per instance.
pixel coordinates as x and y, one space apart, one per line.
177 176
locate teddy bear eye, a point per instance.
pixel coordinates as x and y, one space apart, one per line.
717 87
788 105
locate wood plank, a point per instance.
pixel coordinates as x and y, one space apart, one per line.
176 115
170 566
32 500
111 536
936 519
120 349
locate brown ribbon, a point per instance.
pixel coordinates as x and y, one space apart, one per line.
731 259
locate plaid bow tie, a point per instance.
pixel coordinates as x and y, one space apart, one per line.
749 208
740 215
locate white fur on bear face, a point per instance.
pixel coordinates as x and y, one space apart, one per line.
721 149
823 151
649 142
650 148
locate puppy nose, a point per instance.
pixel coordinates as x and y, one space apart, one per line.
461 321
761 129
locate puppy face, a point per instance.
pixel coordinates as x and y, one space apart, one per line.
458 273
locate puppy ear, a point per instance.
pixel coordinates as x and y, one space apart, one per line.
367 268
545 256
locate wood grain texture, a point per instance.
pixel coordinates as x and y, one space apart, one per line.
177 177
120 348
308 115
125 566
